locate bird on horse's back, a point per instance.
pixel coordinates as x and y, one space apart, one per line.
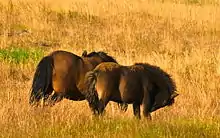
61 75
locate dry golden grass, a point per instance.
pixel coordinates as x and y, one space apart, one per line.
183 38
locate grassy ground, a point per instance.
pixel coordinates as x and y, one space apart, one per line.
182 37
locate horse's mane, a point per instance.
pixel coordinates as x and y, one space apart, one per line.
101 54
170 82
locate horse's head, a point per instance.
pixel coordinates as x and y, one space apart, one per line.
164 87
163 101
98 56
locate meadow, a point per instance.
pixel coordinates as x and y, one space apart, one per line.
182 37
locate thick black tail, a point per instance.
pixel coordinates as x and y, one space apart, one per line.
42 80
90 92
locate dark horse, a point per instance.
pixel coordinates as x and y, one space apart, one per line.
137 84
61 75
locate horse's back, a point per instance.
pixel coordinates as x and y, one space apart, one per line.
107 67
65 55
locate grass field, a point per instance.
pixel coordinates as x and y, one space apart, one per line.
182 37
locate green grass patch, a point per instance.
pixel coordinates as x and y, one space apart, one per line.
20 55
134 128
46 127
181 128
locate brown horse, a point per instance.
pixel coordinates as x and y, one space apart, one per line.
61 75
137 84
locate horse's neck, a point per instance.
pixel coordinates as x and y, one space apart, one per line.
91 63
87 65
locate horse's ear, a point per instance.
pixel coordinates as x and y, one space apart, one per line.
84 54
174 95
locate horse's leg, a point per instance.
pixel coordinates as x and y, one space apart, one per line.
147 106
102 104
136 110
74 95
55 98
60 89
123 106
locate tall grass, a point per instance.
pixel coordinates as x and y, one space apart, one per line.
182 37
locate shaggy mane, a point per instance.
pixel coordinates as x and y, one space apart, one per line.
103 55
158 70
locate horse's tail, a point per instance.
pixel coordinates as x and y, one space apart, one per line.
42 79
90 91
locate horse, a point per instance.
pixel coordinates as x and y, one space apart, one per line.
138 84
61 74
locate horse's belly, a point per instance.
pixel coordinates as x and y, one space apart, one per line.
128 98
116 97
75 95
131 95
